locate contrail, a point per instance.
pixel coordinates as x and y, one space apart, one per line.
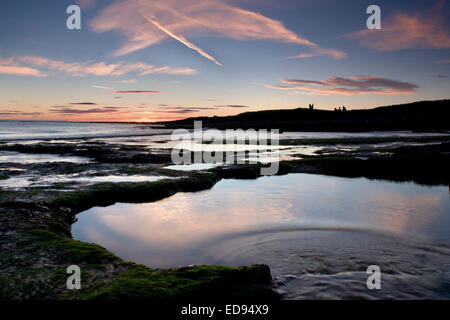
184 41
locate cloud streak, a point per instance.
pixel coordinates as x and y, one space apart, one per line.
181 111
83 103
72 111
138 91
18 113
28 65
184 41
354 85
101 87
145 23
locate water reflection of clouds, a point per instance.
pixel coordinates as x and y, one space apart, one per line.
174 228
401 212
179 221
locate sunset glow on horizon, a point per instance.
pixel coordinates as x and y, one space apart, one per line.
149 61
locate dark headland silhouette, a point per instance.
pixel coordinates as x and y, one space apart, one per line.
417 116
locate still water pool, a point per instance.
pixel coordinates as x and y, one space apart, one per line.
317 233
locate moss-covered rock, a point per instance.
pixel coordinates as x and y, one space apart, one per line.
105 194
206 282
33 265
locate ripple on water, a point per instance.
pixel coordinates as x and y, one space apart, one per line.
329 263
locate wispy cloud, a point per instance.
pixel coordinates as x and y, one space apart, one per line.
69 111
145 23
443 61
180 111
138 91
318 51
171 109
101 87
353 85
18 113
83 103
408 31
441 76
28 65
12 67
22 71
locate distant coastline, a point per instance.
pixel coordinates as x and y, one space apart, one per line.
416 116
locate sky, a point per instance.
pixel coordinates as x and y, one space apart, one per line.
145 60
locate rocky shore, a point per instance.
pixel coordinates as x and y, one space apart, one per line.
35 221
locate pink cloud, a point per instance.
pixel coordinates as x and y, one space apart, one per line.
21 65
317 51
145 23
407 31
353 85
9 66
22 71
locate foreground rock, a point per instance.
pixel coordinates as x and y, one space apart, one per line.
36 249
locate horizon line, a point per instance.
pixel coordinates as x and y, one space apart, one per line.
150 122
